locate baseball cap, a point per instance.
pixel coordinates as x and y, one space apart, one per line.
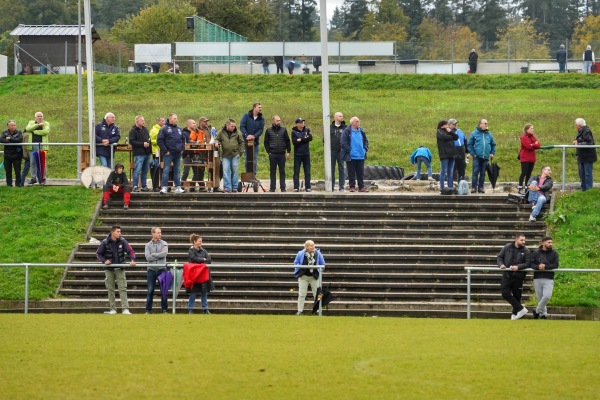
298 120
452 121
204 119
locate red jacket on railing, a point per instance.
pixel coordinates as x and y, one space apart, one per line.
195 273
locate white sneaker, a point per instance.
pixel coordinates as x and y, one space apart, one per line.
521 313
111 312
532 218
513 317
125 312
178 189
163 190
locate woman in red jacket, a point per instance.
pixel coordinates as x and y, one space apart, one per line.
529 144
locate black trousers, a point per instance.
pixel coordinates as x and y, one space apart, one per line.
526 170
304 161
9 165
356 171
512 291
277 161
460 169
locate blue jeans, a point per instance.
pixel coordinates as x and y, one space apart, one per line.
105 161
167 169
536 198
152 277
25 171
423 160
562 67
230 173
203 298
586 174
266 69
142 164
305 161
336 158
256 148
447 172
479 169
587 67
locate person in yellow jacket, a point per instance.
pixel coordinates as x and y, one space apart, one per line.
38 131
155 171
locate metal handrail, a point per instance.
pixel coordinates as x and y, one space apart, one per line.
174 265
564 148
497 269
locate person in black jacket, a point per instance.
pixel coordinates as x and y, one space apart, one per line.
301 138
117 182
544 259
337 128
586 157
514 258
561 59
139 138
446 149
278 147
12 154
198 254
473 61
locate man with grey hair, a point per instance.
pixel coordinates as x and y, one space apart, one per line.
355 145
539 191
337 128
37 131
561 59
12 154
586 157
588 60
156 252
107 133
141 147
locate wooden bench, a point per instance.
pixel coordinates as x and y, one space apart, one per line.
544 70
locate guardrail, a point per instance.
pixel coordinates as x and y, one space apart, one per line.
171 266
497 269
564 148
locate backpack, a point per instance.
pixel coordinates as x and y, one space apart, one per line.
463 187
448 191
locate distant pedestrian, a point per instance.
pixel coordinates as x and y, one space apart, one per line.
265 64
279 64
544 260
112 251
588 60
156 252
561 59
422 155
473 56
586 157
514 258
305 259
447 152
291 65
355 146
527 156
482 147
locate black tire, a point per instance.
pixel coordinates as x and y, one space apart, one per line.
239 186
255 186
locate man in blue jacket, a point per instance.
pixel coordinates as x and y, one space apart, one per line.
306 260
107 133
422 155
171 142
252 125
355 146
482 147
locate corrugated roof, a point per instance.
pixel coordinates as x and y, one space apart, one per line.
52 30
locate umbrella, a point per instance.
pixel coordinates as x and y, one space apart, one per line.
177 281
493 171
325 296
2 170
165 279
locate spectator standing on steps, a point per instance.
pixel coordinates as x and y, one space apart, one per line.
38 131
278 147
473 61
527 156
107 134
155 167
462 155
156 252
301 138
12 154
586 157
544 259
252 125
355 146
172 143
197 254
482 147
305 259
112 250
561 59
539 191
337 128
141 147
230 143
445 141
588 60
513 259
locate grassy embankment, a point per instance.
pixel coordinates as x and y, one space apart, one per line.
399 112
278 357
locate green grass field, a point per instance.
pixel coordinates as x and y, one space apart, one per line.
285 357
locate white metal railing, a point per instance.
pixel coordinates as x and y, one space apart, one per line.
172 266
497 269
564 148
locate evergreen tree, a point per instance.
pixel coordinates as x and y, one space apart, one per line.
354 12
489 19
415 11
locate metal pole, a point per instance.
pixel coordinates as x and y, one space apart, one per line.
468 293
66 50
508 48
79 90
26 288
229 57
174 287
325 93
89 60
320 284
452 61
564 168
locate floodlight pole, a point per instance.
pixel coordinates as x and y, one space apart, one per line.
89 61
325 93
79 90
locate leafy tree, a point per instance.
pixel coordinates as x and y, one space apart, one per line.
107 12
386 23
163 22
415 11
522 40
445 41
463 11
354 12
553 17
12 11
489 19
441 11
304 21
586 33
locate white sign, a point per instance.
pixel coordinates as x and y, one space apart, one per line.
153 53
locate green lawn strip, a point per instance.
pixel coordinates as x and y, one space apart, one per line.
276 357
399 112
41 225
